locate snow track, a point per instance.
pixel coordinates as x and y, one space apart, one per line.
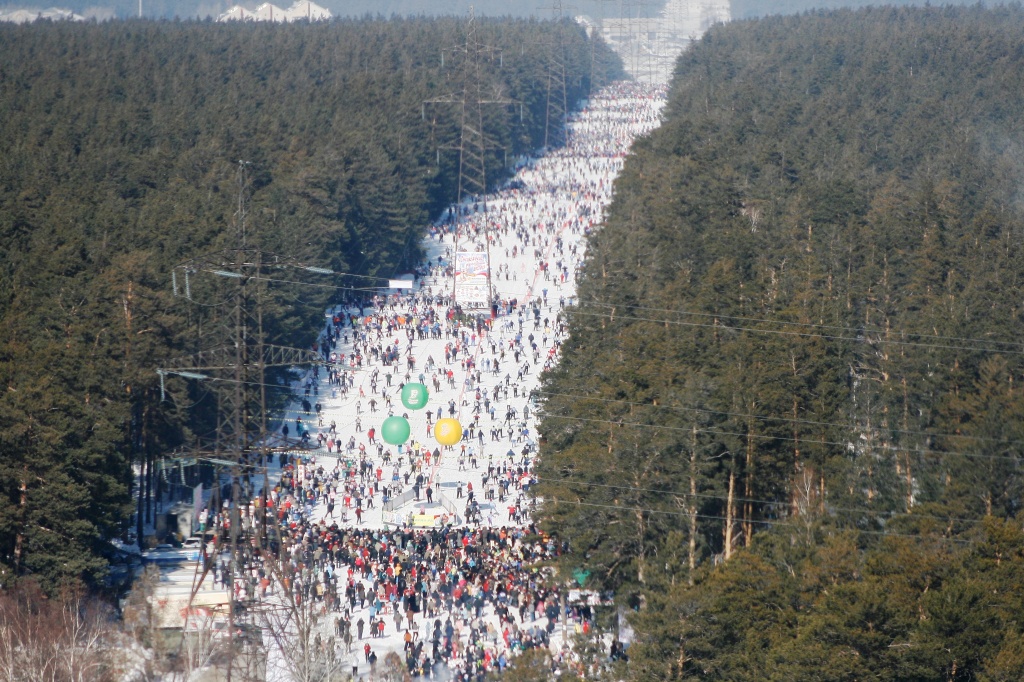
537 224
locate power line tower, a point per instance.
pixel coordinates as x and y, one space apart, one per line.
471 93
557 108
235 367
641 39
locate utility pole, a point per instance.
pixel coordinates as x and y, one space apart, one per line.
557 108
637 15
470 95
235 369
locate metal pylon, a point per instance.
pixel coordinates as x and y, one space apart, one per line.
557 106
234 367
471 92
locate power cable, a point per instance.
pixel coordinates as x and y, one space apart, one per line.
827 337
781 332
308 284
866 330
765 522
724 498
786 420
715 432
325 271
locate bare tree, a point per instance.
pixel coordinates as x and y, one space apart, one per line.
201 643
297 627
139 620
69 638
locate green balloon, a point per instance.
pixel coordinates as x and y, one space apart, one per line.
395 430
414 396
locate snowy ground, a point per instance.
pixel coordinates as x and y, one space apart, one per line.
554 201
541 216
557 198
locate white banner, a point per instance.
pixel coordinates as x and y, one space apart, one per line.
400 284
471 277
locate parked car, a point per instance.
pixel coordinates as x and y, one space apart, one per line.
164 554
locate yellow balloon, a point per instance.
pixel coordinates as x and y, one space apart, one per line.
448 431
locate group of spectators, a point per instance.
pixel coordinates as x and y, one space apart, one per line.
467 593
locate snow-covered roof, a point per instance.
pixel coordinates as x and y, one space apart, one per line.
299 11
268 11
236 13
304 9
27 16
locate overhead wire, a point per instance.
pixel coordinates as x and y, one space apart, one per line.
890 514
810 441
760 417
782 332
308 284
336 274
786 420
716 432
766 522
865 330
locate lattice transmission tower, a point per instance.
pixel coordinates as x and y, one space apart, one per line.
234 368
557 109
471 92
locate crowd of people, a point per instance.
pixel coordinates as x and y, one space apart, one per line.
422 549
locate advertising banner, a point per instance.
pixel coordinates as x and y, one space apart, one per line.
471 278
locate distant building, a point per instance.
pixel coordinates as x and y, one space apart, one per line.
27 16
302 10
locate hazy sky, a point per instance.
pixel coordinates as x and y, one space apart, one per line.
494 7
741 9
201 8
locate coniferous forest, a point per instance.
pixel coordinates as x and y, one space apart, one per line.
119 159
786 430
787 426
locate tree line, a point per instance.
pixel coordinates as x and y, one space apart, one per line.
786 428
119 150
